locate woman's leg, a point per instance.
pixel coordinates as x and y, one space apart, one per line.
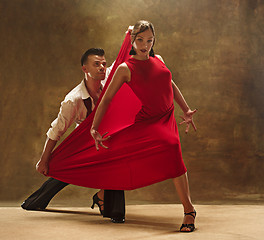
182 187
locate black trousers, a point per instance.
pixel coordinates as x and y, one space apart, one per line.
114 200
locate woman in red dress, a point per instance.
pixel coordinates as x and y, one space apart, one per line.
150 146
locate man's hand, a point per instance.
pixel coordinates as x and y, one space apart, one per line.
42 167
43 164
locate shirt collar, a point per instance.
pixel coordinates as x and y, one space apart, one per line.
84 92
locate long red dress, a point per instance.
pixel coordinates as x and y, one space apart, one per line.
144 147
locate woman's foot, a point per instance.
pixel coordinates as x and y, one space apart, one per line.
188 222
98 199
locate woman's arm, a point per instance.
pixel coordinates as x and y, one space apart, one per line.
187 112
178 97
121 76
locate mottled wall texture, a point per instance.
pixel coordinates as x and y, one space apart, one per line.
214 48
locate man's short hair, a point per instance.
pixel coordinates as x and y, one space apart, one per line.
91 51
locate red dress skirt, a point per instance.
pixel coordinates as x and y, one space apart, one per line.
144 147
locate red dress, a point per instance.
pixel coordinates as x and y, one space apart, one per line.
144 147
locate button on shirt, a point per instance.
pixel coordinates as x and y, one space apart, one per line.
72 109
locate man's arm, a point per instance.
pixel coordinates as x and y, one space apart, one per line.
66 117
43 164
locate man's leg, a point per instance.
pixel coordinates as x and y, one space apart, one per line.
41 198
114 205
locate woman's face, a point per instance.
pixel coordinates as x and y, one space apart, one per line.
143 44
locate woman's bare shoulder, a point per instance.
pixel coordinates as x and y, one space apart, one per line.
123 66
123 71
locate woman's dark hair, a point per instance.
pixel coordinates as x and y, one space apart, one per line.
91 51
139 27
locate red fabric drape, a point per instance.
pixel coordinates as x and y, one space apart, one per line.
140 153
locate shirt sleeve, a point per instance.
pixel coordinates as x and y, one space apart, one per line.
65 119
108 70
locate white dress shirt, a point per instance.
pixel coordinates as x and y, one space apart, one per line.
72 109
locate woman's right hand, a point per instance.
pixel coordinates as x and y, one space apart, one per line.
98 139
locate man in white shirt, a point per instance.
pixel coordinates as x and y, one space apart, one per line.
76 106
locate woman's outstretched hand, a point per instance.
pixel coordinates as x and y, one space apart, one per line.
98 139
187 118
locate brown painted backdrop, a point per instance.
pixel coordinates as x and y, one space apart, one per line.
214 48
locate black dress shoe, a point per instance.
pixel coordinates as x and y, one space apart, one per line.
118 220
23 205
26 206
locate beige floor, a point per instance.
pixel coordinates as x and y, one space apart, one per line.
223 222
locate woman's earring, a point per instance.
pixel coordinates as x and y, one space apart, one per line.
132 51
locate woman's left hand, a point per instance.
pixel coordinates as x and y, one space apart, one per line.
129 29
187 118
98 139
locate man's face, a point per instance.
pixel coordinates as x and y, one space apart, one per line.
95 67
